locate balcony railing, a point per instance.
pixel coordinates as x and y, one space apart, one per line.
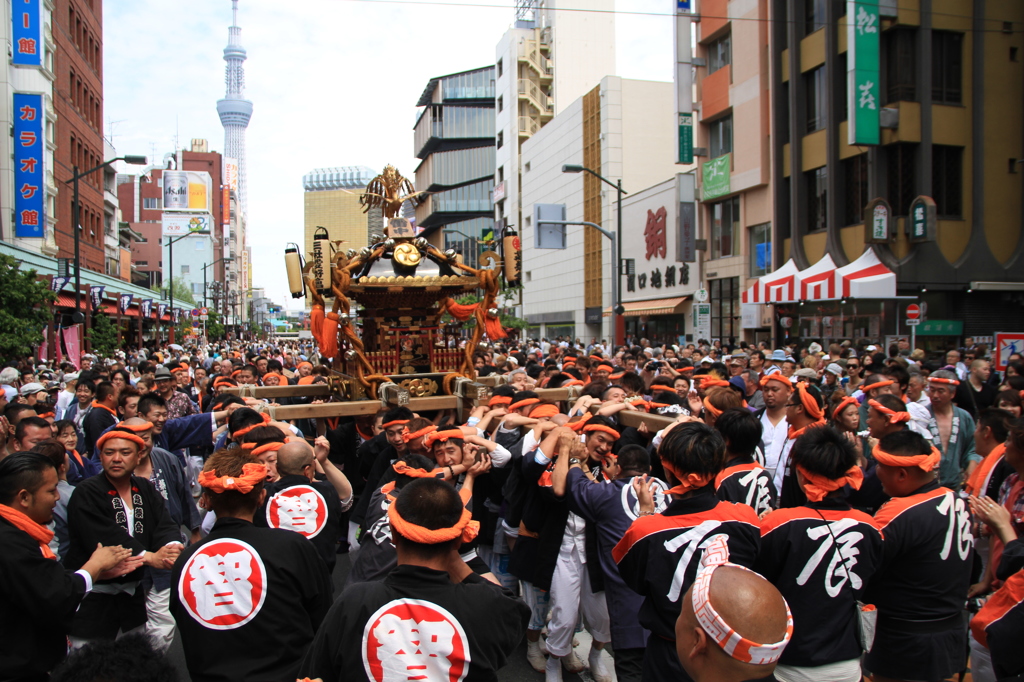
528 126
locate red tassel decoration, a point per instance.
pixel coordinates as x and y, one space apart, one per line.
316 324
329 340
494 329
460 311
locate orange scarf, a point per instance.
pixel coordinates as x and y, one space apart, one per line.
104 407
978 481
686 483
818 487
799 432
40 534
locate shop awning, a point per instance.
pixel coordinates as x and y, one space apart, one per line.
866 277
657 306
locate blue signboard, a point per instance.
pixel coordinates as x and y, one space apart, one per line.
29 215
27 32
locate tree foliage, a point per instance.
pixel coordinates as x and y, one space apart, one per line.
182 292
23 310
103 336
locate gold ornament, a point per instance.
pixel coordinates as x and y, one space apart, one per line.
408 255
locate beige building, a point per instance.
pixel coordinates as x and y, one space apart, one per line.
331 201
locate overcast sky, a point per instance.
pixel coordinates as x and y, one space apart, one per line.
334 83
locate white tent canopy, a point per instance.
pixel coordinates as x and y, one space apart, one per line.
865 277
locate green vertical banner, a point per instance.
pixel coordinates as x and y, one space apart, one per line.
715 177
863 91
685 139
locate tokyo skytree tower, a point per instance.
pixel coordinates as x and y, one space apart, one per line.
234 110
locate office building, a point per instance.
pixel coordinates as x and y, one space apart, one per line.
621 129
733 137
936 126
547 60
454 138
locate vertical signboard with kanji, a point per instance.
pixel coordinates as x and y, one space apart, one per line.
29 216
27 32
715 176
685 138
863 91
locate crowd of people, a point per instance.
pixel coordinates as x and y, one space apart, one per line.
704 512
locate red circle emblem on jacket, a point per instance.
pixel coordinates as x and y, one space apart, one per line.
300 508
415 639
224 584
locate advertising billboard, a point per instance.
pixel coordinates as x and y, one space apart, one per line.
178 224
26 42
230 173
190 191
29 211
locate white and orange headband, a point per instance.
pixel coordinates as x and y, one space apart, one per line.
734 644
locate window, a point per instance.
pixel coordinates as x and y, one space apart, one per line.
947 180
500 140
501 67
725 225
760 249
947 67
501 103
817 199
200 245
142 263
900 49
725 308
814 15
855 189
184 269
151 203
719 54
721 137
901 173
817 99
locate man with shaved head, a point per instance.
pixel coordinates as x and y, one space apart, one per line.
733 625
300 501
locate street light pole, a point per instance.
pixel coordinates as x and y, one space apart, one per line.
226 259
616 245
78 317
170 255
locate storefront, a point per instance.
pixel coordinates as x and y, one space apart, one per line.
658 283
825 303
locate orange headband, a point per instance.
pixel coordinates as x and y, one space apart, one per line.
307 364
305 381
877 384
404 469
179 369
604 367
137 428
732 643
275 374
443 436
715 412
223 381
540 411
523 403
568 362
817 487
925 462
847 401
686 483
940 380
499 400
236 373
112 435
777 376
894 416
409 437
709 380
394 422
573 382
44 415
253 474
246 429
811 406
589 428
267 447
577 425
465 528
248 446
687 370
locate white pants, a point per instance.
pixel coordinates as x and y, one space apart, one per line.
79 642
353 530
570 594
539 602
843 671
159 621
981 662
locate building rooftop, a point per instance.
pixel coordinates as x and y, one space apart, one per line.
484 92
338 177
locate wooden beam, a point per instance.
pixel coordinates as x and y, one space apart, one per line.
309 390
359 407
655 422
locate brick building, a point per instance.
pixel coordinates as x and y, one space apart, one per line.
78 101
